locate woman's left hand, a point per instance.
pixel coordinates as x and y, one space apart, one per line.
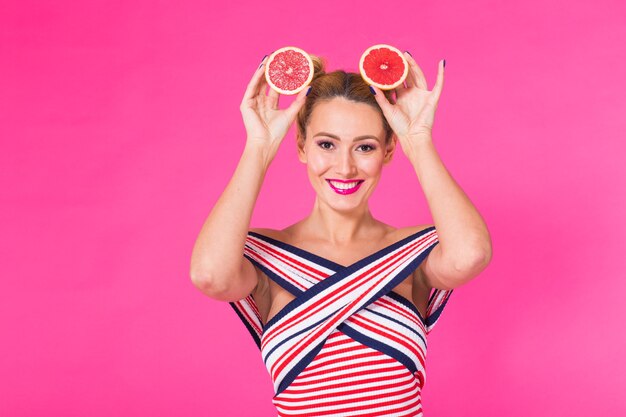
413 115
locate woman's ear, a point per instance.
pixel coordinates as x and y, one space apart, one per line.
390 149
301 151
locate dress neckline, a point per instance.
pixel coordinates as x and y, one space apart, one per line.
320 260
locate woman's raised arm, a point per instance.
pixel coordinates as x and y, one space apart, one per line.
218 267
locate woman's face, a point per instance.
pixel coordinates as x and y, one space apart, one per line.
344 152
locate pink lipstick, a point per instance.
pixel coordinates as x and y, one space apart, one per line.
345 187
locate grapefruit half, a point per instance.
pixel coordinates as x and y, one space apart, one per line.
383 66
289 70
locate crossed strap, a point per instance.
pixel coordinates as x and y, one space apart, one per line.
357 300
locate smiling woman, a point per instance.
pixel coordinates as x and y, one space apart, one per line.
349 160
339 303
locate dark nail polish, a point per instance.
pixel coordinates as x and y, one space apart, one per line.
372 90
409 54
444 63
308 91
264 56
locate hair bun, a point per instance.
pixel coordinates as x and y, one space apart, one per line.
319 66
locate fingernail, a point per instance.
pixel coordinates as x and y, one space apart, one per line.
444 63
372 90
308 91
264 56
409 54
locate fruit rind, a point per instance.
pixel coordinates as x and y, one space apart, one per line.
267 70
374 83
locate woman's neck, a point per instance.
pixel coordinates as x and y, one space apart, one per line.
338 227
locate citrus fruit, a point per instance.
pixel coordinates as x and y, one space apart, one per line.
289 70
383 66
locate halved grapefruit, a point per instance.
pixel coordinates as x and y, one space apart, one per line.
383 66
288 70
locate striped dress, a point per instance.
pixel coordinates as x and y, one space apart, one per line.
346 345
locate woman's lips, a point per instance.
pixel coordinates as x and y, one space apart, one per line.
344 187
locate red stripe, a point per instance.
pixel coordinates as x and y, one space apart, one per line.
353 391
247 316
359 369
302 267
342 382
342 360
376 396
277 271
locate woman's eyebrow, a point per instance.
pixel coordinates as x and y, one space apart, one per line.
330 135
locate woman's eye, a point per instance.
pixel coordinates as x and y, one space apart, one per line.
366 148
325 144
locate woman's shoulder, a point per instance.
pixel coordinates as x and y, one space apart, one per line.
273 233
404 232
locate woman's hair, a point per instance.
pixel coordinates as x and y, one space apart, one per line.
349 85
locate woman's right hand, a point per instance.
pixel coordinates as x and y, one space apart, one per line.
266 125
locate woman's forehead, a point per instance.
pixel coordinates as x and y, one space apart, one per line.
340 115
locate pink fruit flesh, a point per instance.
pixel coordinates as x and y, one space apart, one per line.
383 66
289 70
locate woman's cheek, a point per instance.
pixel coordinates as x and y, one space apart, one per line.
372 165
317 163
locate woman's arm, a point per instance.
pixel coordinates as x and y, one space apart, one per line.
218 268
464 248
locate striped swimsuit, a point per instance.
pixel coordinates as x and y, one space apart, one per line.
346 345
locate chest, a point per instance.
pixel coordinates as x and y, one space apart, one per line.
272 298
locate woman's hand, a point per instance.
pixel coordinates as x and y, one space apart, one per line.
413 115
265 124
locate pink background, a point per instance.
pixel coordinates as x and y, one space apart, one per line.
120 126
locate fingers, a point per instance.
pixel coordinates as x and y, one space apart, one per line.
411 79
439 83
273 98
382 101
417 76
258 78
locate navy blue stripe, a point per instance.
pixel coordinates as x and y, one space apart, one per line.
432 296
275 277
405 302
334 279
254 334
298 368
300 252
296 334
379 346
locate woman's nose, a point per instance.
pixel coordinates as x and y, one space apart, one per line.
345 165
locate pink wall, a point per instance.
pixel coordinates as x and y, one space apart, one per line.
120 126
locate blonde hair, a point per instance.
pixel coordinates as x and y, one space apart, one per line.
349 85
